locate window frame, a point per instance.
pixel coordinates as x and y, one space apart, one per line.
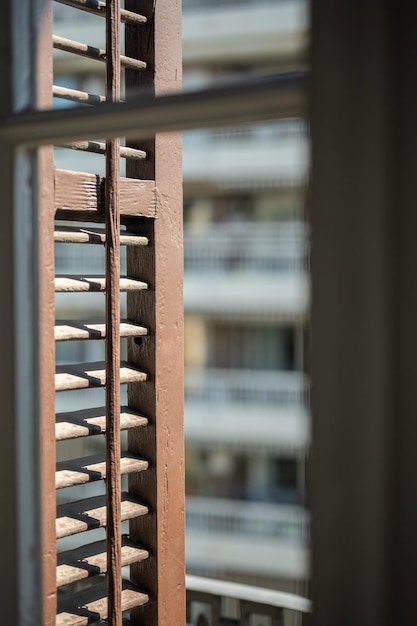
27 445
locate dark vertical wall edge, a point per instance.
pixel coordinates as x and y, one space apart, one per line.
364 307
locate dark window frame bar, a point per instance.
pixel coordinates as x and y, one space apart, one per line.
271 98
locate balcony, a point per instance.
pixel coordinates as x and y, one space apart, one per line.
220 406
257 538
272 155
281 522
246 269
245 247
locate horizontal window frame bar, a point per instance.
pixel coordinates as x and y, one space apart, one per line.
267 98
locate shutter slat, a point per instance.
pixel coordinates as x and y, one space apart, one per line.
83 515
90 605
98 54
91 560
92 468
74 234
89 375
98 147
70 330
72 284
74 95
88 422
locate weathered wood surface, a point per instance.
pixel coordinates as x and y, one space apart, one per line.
92 605
89 422
161 310
112 345
73 284
68 330
89 375
82 515
91 560
82 195
92 468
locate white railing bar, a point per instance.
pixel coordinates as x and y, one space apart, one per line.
274 97
239 591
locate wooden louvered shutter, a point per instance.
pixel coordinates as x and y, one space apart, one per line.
150 207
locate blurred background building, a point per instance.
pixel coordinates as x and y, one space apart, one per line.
246 296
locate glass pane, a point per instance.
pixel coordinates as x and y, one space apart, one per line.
246 298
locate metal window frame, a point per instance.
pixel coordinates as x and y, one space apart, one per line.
376 471
144 115
27 446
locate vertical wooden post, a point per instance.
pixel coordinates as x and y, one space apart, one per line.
46 269
47 380
44 188
112 218
161 309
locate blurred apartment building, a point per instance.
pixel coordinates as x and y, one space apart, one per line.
245 295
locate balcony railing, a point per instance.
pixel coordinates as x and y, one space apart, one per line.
247 246
226 386
215 603
248 519
262 132
247 159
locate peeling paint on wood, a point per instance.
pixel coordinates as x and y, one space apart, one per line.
81 193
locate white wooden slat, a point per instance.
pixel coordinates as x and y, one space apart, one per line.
76 283
91 560
90 375
90 605
88 422
92 468
77 330
83 515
